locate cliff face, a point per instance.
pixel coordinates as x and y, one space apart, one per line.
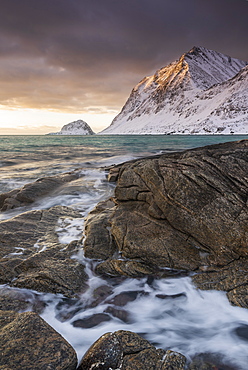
203 92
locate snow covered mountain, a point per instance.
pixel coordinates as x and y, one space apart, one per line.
204 92
75 128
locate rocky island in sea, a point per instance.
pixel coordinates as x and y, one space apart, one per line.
78 127
179 214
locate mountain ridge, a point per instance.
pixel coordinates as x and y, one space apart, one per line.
157 104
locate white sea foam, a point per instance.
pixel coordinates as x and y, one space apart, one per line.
40 247
18 251
82 194
69 229
170 313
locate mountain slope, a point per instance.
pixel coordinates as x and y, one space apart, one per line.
75 128
203 92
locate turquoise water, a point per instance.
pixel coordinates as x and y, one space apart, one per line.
26 158
130 143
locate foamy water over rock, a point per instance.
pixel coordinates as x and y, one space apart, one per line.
131 310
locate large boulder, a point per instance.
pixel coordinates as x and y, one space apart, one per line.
128 351
28 342
183 211
32 257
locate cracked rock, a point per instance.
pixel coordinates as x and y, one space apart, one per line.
183 211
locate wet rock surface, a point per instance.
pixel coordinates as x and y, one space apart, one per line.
208 361
91 321
33 258
18 300
28 342
105 353
242 332
231 278
182 211
29 193
113 267
99 244
128 351
123 298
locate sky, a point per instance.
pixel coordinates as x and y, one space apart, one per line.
63 60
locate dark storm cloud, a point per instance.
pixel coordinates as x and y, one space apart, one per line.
80 55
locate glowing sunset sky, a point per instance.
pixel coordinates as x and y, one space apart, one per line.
62 60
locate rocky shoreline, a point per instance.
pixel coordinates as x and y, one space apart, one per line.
184 211
175 214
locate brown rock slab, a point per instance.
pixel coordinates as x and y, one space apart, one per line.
51 275
91 321
147 359
123 298
99 243
173 360
113 174
132 342
209 361
151 241
128 351
35 190
43 264
118 313
28 342
196 200
21 232
184 211
18 300
128 268
231 278
100 294
105 353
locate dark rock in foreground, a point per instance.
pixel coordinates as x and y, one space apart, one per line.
209 361
28 342
128 351
182 211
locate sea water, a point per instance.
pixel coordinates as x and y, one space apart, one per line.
171 313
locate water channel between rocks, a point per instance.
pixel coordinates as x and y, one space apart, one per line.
171 313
